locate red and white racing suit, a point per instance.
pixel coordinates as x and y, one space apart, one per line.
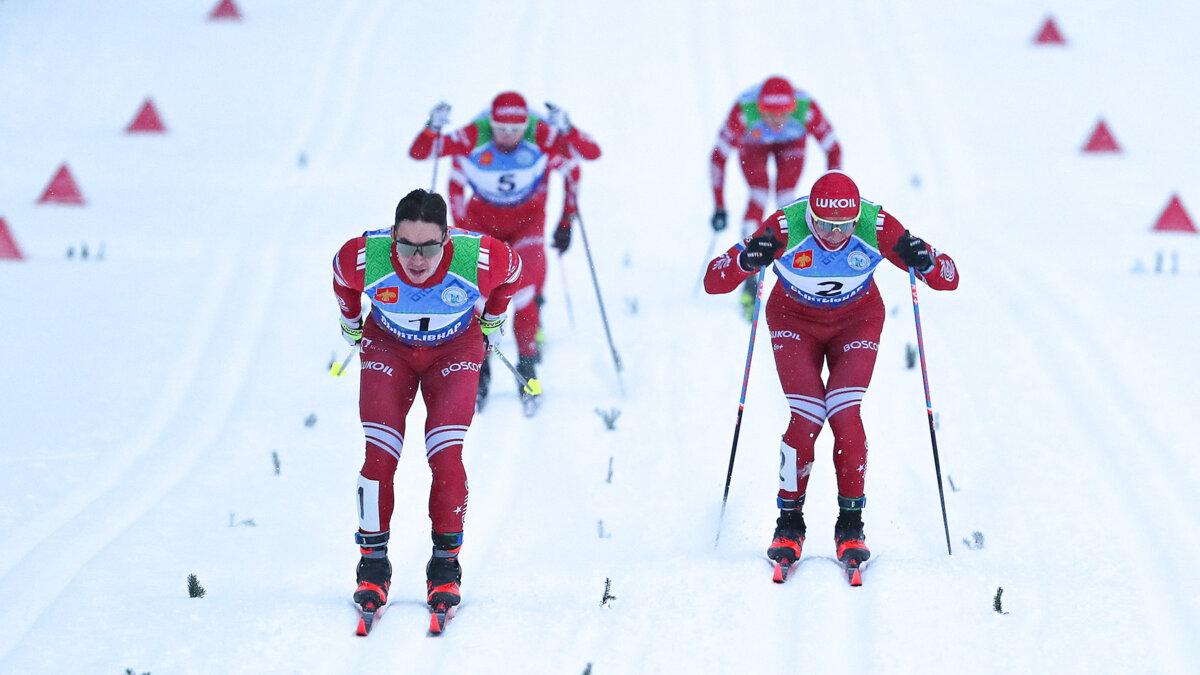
756 143
520 222
845 336
447 373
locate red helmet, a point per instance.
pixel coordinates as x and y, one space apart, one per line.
834 198
509 108
776 96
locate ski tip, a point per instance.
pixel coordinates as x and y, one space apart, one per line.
363 628
780 574
438 618
435 626
854 576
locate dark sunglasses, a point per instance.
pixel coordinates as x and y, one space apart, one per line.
426 249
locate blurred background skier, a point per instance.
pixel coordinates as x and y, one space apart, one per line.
505 156
826 310
423 282
769 120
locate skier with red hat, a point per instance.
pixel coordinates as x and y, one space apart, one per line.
826 310
504 155
769 120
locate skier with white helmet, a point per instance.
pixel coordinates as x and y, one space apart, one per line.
769 120
826 310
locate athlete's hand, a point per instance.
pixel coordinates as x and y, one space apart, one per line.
558 119
439 117
562 235
490 323
720 219
913 252
351 334
759 251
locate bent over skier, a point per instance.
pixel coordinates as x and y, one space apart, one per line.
826 309
423 281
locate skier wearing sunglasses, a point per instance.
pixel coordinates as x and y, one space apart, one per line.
825 309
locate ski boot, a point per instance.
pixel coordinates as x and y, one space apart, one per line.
442 576
529 402
485 379
374 578
788 541
851 543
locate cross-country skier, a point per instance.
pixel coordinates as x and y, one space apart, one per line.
423 281
506 155
826 309
771 119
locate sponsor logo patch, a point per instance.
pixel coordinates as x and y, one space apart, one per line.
387 295
376 365
861 344
486 159
858 260
948 272
803 259
460 366
454 296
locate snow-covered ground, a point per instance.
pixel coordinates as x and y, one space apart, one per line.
145 394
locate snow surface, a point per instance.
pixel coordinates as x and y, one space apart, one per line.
144 394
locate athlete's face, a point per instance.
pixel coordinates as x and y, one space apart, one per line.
776 120
832 235
507 136
419 246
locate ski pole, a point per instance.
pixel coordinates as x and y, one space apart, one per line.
712 246
530 385
603 316
562 270
737 427
937 465
336 370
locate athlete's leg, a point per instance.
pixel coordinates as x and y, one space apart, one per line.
789 163
448 386
753 159
798 359
851 355
388 385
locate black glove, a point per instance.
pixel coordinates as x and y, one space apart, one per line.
913 252
720 219
562 235
759 251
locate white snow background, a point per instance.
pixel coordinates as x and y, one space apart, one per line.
143 395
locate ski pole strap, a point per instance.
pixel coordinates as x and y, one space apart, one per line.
856 504
790 504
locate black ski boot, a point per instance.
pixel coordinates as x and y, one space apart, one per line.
529 402
848 534
485 379
443 573
374 579
789 537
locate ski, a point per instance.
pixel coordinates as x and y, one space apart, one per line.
853 571
439 615
369 613
782 570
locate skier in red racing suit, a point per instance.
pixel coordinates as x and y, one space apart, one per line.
826 309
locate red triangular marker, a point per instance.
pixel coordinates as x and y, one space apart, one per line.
1101 140
147 120
225 10
1174 218
62 189
8 246
1049 35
